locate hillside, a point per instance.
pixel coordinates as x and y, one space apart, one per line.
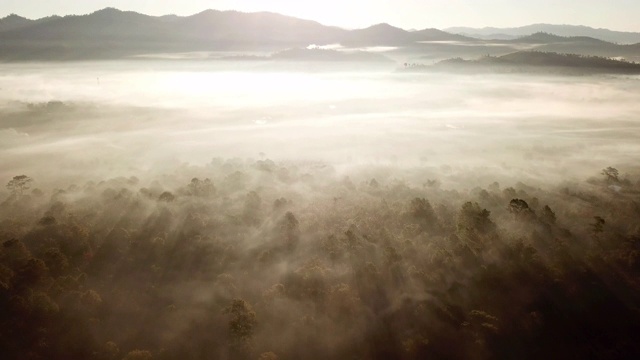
537 62
561 30
13 22
535 58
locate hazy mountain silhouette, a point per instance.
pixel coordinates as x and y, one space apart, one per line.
380 34
547 38
111 33
543 42
208 25
255 28
547 42
438 35
109 24
562 30
13 22
539 62
580 45
114 33
385 34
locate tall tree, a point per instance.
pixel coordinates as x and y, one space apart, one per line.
19 184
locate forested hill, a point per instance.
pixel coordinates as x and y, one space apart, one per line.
535 61
535 58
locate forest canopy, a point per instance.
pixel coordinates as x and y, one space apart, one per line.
264 260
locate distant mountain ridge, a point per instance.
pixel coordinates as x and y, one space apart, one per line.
534 62
209 25
385 34
547 38
619 37
113 33
13 22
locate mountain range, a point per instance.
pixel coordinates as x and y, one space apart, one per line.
111 34
490 33
114 33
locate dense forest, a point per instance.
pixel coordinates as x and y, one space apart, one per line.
535 62
246 259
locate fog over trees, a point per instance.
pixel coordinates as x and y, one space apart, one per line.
271 260
307 192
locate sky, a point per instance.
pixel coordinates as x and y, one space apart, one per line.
619 15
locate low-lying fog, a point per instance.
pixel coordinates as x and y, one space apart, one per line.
394 216
88 121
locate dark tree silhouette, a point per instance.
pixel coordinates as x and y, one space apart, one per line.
520 209
422 212
241 325
473 217
611 173
203 188
548 215
289 227
19 184
166 197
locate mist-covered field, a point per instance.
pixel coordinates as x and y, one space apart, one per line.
95 120
217 210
